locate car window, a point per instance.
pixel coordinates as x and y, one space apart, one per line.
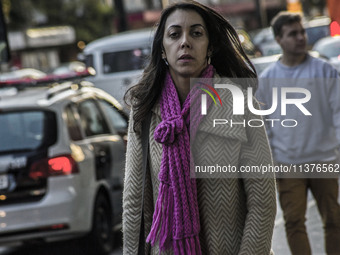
72 124
115 117
92 120
26 130
128 60
316 33
89 60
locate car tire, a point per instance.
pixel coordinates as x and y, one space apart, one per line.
100 240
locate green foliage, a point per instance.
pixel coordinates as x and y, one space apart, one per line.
17 14
90 18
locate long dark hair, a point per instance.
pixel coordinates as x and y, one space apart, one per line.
228 58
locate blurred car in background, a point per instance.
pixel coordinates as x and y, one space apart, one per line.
70 67
262 63
265 42
316 29
118 60
329 48
62 157
23 73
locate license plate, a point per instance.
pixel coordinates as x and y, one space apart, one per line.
4 181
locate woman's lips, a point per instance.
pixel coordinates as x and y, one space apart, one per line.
186 58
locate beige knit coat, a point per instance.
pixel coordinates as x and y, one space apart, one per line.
236 214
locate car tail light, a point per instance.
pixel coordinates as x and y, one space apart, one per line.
61 165
335 28
54 227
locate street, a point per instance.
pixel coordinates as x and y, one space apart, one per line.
280 245
64 248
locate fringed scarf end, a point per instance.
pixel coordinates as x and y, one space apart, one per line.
161 218
187 246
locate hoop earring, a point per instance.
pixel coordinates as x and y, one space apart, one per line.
164 58
209 60
166 62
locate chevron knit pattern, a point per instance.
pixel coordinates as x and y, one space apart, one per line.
176 220
236 214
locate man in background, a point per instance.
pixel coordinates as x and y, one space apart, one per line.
314 140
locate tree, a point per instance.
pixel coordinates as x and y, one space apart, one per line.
91 19
17 14
122 22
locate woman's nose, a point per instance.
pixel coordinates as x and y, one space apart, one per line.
185 42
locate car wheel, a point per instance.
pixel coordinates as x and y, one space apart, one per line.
100 239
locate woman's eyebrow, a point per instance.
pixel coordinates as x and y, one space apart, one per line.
179 26
197 25
174 26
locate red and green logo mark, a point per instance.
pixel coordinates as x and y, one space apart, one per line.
204 98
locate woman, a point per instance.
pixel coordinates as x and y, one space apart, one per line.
184 215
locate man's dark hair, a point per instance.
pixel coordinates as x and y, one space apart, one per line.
284 18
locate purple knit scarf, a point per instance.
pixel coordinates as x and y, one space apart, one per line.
176 218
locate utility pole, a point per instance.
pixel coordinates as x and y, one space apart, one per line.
120 11
261 13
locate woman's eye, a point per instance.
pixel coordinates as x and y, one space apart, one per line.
197 33
173 35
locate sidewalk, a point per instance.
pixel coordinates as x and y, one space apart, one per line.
314 230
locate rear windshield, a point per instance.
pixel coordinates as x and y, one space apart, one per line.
316 33
128 60
26 130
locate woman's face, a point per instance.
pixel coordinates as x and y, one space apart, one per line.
185 43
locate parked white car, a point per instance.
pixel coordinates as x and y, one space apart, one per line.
118 60
62 157
329 48
24 73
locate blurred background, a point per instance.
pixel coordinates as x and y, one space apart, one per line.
62 37
46 34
